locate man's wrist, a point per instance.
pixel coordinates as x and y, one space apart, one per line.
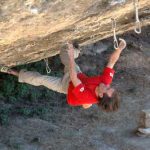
119 49
71 59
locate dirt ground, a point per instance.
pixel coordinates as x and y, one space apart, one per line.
68 128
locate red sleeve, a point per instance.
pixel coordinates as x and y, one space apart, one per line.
107 75
83 95
82 77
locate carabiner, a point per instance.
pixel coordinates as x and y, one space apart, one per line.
137 28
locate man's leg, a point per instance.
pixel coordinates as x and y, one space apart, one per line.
36 79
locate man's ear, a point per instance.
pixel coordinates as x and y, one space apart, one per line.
86 106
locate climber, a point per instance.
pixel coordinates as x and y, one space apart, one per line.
81 90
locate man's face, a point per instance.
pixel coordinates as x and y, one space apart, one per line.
102 88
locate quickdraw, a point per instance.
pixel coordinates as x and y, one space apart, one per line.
114 33
137 28
48 70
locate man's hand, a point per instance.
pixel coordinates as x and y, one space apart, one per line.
122 44
101 89
70 50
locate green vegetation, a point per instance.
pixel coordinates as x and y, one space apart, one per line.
24 99
4 114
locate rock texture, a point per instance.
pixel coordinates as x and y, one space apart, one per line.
145 119
31 30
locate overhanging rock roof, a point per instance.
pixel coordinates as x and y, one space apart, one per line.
32 30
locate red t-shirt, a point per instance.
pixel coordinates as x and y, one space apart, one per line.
84 93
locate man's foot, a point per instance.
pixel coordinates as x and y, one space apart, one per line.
4 69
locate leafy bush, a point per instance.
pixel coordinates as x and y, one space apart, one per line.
26 99
4 114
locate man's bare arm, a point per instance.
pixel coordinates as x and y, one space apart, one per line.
72 70
116 54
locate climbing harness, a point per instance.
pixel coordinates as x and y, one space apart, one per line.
137 23
114 33
48 70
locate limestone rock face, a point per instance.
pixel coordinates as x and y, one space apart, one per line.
31 30
145 119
